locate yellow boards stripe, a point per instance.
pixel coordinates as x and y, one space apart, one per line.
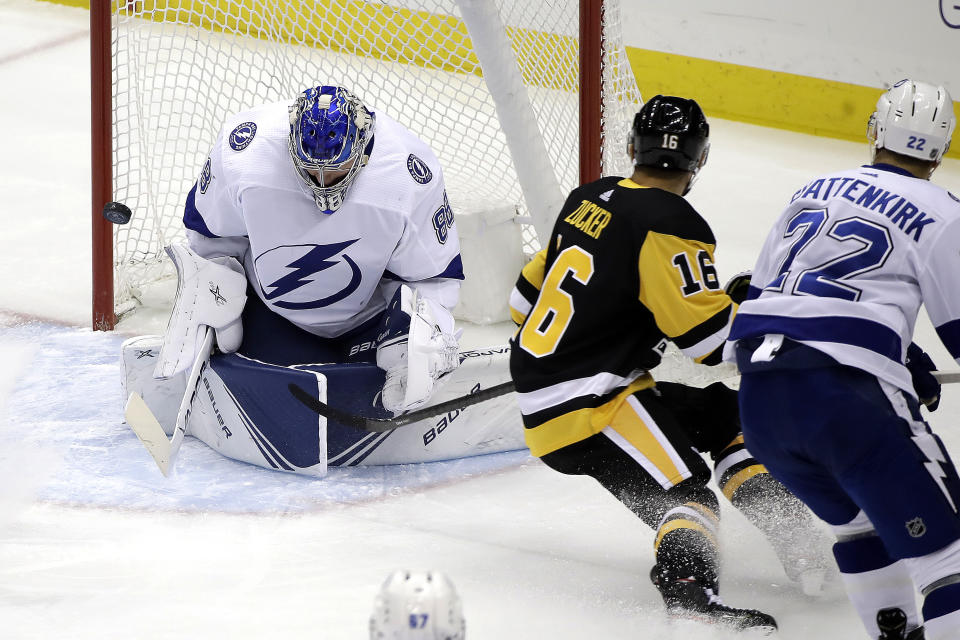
761 96
373 30
724 90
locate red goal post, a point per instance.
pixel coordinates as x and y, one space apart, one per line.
520 100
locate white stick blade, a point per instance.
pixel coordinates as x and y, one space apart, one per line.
145 425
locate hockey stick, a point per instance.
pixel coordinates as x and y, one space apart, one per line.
947 377
145 424
377 425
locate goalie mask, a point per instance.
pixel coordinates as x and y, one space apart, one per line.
914 119
331 136
670 133
415 605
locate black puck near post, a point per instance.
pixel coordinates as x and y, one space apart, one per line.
117 212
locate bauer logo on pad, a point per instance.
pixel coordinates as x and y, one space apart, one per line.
419 169
242 135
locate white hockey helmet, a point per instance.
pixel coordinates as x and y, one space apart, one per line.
913 119
415 605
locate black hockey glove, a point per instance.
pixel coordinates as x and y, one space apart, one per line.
926 386
738 286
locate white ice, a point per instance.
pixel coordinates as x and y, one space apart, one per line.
94 543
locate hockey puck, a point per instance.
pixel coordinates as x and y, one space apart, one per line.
117 212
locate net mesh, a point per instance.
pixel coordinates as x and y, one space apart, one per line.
181 66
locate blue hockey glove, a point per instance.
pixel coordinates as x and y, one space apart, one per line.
926 386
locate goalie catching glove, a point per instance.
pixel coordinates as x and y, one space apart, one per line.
210 292
418 347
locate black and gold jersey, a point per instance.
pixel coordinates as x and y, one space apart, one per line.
626 268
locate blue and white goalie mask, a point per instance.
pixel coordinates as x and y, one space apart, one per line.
331 136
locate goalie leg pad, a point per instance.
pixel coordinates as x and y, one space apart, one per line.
138 358
243 410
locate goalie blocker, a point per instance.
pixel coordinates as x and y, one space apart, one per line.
244 410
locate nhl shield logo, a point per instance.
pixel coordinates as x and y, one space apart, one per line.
916 527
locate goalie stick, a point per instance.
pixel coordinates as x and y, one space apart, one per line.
377 425
141 419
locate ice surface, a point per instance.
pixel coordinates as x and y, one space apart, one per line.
94 543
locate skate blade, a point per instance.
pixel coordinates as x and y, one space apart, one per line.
694 622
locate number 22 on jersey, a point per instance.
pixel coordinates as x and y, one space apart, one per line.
871 243
553 312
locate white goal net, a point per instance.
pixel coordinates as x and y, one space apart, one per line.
490 85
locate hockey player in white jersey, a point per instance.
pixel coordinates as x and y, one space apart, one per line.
417 605
831 380
319 233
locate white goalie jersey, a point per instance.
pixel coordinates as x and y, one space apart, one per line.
324 273
863 250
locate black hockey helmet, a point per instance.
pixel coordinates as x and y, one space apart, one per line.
670 133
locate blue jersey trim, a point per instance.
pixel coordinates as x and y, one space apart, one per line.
853 331
950 336
861 555
390 275
883 166
454 271
941 601
191 216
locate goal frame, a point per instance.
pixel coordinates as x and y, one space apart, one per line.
104 316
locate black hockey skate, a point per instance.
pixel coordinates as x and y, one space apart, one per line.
687 598
893 625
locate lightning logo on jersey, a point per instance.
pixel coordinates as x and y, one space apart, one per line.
303 269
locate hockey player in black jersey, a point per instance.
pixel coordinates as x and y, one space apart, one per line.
629 265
